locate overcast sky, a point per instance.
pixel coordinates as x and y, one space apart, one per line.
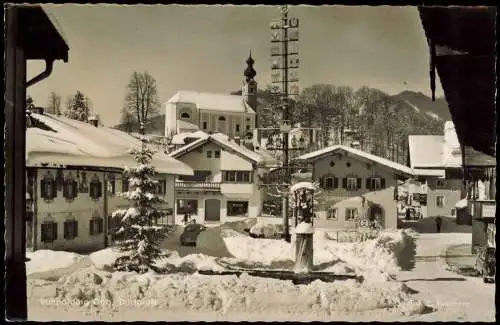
204 48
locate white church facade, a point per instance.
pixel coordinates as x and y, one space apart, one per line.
233 115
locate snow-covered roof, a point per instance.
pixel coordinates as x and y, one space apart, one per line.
452 153
311 156
301 185
180 137
74 143
429 172
212 101
223 140
426 150
461 204
186 125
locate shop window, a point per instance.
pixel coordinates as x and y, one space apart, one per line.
187 206
237 208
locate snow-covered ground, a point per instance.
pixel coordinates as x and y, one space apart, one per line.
192 296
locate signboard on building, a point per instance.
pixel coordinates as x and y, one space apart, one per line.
488 210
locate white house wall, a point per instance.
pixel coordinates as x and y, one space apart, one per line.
170 120
359 169
451 191
59 210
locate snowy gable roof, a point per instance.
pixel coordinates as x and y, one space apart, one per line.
452 152
212 101
74 143
426 151
223 141
312 156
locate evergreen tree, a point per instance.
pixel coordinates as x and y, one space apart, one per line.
77 108
30 103
139 235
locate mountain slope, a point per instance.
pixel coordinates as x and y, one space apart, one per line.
424 104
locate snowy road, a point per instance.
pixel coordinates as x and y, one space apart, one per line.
456 298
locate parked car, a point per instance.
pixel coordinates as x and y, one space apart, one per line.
486 263
190 234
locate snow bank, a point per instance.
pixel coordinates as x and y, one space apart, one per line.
266 230
376 259
45 260
104 258
189 263
107 293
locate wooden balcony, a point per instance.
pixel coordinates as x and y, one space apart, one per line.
484 209
203 186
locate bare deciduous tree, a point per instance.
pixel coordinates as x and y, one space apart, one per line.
141 99
54 103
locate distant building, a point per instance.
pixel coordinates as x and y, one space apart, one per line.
436 194
74 175
344 173
225 185
478 171
233 115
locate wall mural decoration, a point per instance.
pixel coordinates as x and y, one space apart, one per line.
70 187
83 186
48 190
59 179
95 187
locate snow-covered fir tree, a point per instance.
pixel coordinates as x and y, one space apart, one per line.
77 107
139 236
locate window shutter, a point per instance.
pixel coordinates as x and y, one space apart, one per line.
65 189
322 182
75 189
368 183
101 225
75 228
54 188
91 227
44 232
335 182
359 182
344 182
382 182
43 193
99 189
54 231
66 224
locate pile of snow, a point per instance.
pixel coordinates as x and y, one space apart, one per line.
376 259
45 260
240 226
189 263
107 293
104 258
266 230
304 228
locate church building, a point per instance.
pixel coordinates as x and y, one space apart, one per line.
232 115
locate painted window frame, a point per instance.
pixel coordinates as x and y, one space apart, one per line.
350 213
331 213
443 203
50 226
73 225
349 182
96 226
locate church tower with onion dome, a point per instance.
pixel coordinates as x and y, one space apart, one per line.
249 90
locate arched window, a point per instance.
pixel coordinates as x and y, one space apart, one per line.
184 115
222 118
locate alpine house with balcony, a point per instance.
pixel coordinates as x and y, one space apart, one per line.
225 182
436 194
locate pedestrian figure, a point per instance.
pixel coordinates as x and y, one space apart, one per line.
186 218
439 221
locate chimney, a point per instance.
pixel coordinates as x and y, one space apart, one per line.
94 121
38 110
237 140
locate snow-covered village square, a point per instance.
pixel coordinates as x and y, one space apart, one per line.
250 163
